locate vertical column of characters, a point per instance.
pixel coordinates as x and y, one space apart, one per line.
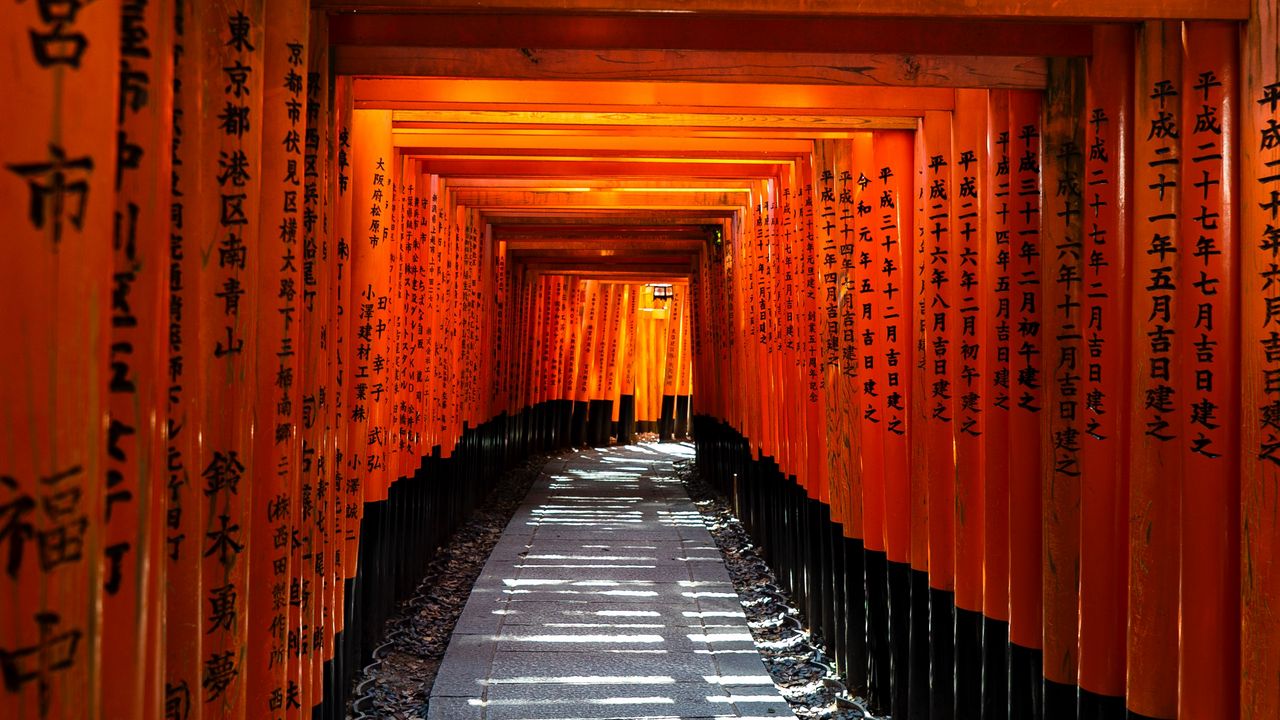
1062 272
347 502
1260 371
941 296
627 362
863 322
274 594
370 273
435 301
501 344
1155 472
587 343
600 373
995 318
789 342
812 368
543 307
1063 231
1104 417
912 695
132 602
1208 343
183 499
233 52
569 321
470 317
617 308
1026 396
316 380
452 229
755 257
827 331
894 152
58 168
849 158
375 260
969 193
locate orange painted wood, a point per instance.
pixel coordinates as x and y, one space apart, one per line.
371 250
347 501
1260 296
184 500
894 162
1062 274
1105 412
1155 471
826 249
996 319
864 296
134 508
938 283
846 393
316 379
918 421
1011 9
57 202
273 666
1208 342
229 302
1026 372
969 232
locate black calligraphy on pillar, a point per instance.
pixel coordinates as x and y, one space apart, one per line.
937 276
1203 268
1068 284
1161 248
1268 244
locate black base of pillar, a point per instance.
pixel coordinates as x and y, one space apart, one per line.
877 636
682 417
578 433
667 420
968 664
942 653
1026 686
1060 701
1101 707
995 669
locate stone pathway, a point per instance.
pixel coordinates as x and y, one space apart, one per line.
605 598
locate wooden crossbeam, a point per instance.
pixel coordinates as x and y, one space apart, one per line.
993 9
715 32
876 69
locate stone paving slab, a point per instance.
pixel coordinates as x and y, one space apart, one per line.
605 598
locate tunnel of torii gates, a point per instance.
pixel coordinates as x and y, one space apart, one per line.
972 309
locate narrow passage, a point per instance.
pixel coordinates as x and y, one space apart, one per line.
605 598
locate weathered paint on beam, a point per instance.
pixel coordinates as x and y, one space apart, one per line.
877 69
1012 9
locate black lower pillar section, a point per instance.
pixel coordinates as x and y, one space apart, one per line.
578 435
667 420
682 417
599 415
857 621
968 664
1026 701
918 709
1131 715
995 669
900 638
942 653
878 667
1059 701
1101 707
626 419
